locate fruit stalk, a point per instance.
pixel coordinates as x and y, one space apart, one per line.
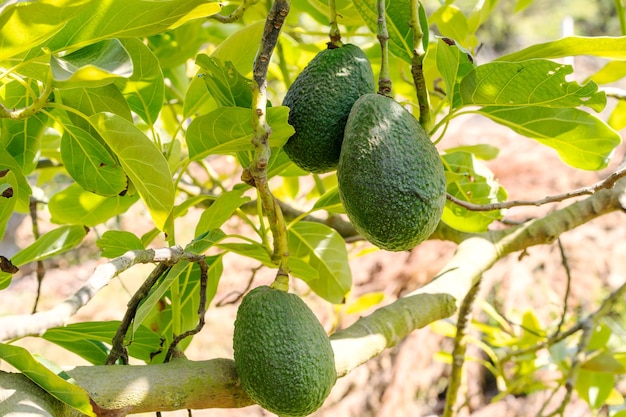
384 80
334 34
256 173
417 66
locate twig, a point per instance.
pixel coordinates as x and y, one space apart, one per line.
614 92
417 66
41 269
118 349
239 294
25 112
607 183
384 80
204 268
236 14
568 285
256 173
458 352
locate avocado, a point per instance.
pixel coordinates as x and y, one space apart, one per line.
282 354
320 100
390 176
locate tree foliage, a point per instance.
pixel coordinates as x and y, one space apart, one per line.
108 107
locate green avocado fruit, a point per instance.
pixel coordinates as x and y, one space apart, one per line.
391 179
320 100
282 354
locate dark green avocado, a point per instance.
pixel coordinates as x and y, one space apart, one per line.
320 100
391 179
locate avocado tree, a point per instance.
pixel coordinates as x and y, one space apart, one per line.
121 108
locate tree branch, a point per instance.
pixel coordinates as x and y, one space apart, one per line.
607 183
13 327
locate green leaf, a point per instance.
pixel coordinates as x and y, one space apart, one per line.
470 180
103 20
398 16
346 12
221 210
144 90
330 202
114 243
22 139
537 82
227 130
21 188
241 47
74 337
225 84
91 164
324 250
482 151
600 337
522 4
594 387
603 362
453 64
94 65
600 46
54 242
451 23
64 391
581 139
205 241
74 205
9 191
174 47
89 101
24 25
143 163
251 250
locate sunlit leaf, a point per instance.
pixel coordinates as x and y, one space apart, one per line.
365 302
74 205
324 250
142 161
91 164
24 25
9 191
451 23
144 89
21 190
613 71
482 151
594 387
617 120
581 139
104 20
398 16
536 82
93 65
599 337
470 180
600 46
49 244
114 243
603 362
64 391
241 47
279 161
228 130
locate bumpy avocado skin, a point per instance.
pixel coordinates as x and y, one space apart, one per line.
282 354
320 100
391 178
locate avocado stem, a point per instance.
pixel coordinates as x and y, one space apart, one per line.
334 34
256 173
384 80
417 66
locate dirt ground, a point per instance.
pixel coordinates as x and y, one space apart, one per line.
407 380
